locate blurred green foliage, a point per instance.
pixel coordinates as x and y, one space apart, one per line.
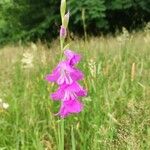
35 19
95 15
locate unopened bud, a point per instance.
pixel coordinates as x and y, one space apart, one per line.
63 32
62 8
65 20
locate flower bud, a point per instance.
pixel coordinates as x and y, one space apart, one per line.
63 32
62 8
65 20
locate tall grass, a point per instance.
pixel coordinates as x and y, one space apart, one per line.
116 110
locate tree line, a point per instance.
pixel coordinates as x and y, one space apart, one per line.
40 19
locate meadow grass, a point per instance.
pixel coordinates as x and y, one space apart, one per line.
116 112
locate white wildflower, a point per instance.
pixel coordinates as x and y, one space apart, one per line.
92 67
27 60
34 46
147 28
125 36
147 38
43 58
147 33
3 105
125 32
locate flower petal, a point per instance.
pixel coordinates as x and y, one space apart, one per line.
54 76
72 57
66 92
69 107
77 75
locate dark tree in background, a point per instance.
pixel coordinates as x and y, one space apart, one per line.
95 16
128 13
39 19
31 19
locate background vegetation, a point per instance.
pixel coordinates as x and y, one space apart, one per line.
117 108
36 19
117 70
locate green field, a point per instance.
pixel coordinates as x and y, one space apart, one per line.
116 112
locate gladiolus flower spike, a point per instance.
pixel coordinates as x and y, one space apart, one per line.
66 75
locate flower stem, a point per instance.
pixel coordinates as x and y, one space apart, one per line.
61 44
61 48
73 139
62 134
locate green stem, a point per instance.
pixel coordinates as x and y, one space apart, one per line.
61 44
61 47
59 138
62 134
73 139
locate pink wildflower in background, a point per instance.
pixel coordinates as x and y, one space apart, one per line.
66 76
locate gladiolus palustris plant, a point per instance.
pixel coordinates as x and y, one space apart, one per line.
66 75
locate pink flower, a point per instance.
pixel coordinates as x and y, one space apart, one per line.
66 92
64 74
69 107
72 57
